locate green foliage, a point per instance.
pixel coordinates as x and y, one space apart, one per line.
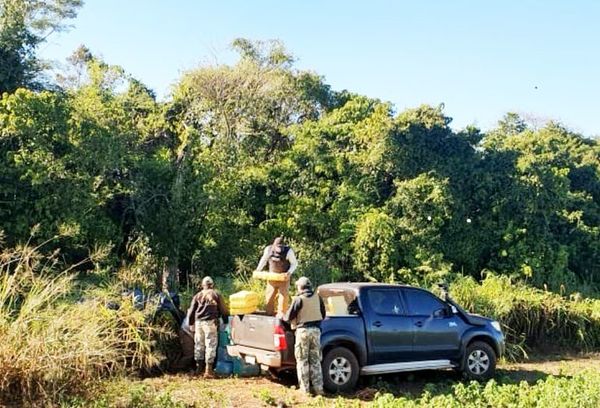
532 317
577 391
243 152
375 249
24 25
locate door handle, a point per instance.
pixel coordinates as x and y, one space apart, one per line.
377 324
419 324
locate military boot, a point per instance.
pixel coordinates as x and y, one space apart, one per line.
200 366
209 372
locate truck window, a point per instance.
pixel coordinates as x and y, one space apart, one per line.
421 303
339 302
386 302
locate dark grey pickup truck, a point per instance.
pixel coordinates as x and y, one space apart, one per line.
374 329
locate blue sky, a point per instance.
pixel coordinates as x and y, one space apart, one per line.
481 59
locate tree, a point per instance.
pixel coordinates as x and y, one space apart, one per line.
228 124
24 25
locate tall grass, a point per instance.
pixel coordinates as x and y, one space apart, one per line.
51 345
531 317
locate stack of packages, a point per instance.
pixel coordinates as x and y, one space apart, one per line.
240 303
244 302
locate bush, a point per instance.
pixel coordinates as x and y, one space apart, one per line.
532 317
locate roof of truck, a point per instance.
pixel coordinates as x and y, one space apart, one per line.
360 285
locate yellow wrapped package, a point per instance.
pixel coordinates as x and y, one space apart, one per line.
243 302
270 276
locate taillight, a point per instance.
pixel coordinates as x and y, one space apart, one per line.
279 340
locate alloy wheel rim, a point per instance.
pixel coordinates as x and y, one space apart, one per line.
340 370
478 362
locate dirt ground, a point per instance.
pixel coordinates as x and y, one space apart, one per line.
264 391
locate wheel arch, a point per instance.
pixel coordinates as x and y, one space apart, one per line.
331 342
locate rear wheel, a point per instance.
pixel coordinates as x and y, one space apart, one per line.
480 361
340 370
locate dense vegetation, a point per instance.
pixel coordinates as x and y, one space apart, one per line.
52 345
240 153
100 178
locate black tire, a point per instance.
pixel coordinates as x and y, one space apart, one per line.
340 370
479 361
273 373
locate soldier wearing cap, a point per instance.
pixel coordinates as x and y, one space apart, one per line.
206 308
305 315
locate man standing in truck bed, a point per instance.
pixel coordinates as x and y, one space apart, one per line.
305 315
281 259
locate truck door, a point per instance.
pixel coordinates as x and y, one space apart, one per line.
437 332
389 328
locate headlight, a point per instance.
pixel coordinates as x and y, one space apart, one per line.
496 326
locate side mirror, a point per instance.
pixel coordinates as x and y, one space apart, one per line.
453 309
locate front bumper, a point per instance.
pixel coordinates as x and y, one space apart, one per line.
501 344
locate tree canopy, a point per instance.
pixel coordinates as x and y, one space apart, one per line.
240 153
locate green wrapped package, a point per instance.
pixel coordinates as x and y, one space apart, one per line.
224 338
222 354
243 369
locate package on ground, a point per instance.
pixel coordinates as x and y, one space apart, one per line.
223 338
245 369
270 276
243 302
223 355
224 368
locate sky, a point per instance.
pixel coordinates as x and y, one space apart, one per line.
480 59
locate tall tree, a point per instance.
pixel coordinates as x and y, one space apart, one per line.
24 25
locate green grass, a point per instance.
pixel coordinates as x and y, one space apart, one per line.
569 386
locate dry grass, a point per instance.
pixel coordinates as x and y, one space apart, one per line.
51 345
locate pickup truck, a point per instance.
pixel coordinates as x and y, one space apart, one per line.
374 328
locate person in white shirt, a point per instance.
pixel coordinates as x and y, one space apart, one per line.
281 259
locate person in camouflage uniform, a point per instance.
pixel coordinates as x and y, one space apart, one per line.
206 308
305 315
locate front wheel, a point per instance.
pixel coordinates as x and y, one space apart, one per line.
480 361
340 370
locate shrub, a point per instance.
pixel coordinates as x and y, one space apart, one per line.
530 316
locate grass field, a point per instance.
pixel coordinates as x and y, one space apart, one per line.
559 380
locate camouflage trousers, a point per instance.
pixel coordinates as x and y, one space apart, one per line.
308 359
205 341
